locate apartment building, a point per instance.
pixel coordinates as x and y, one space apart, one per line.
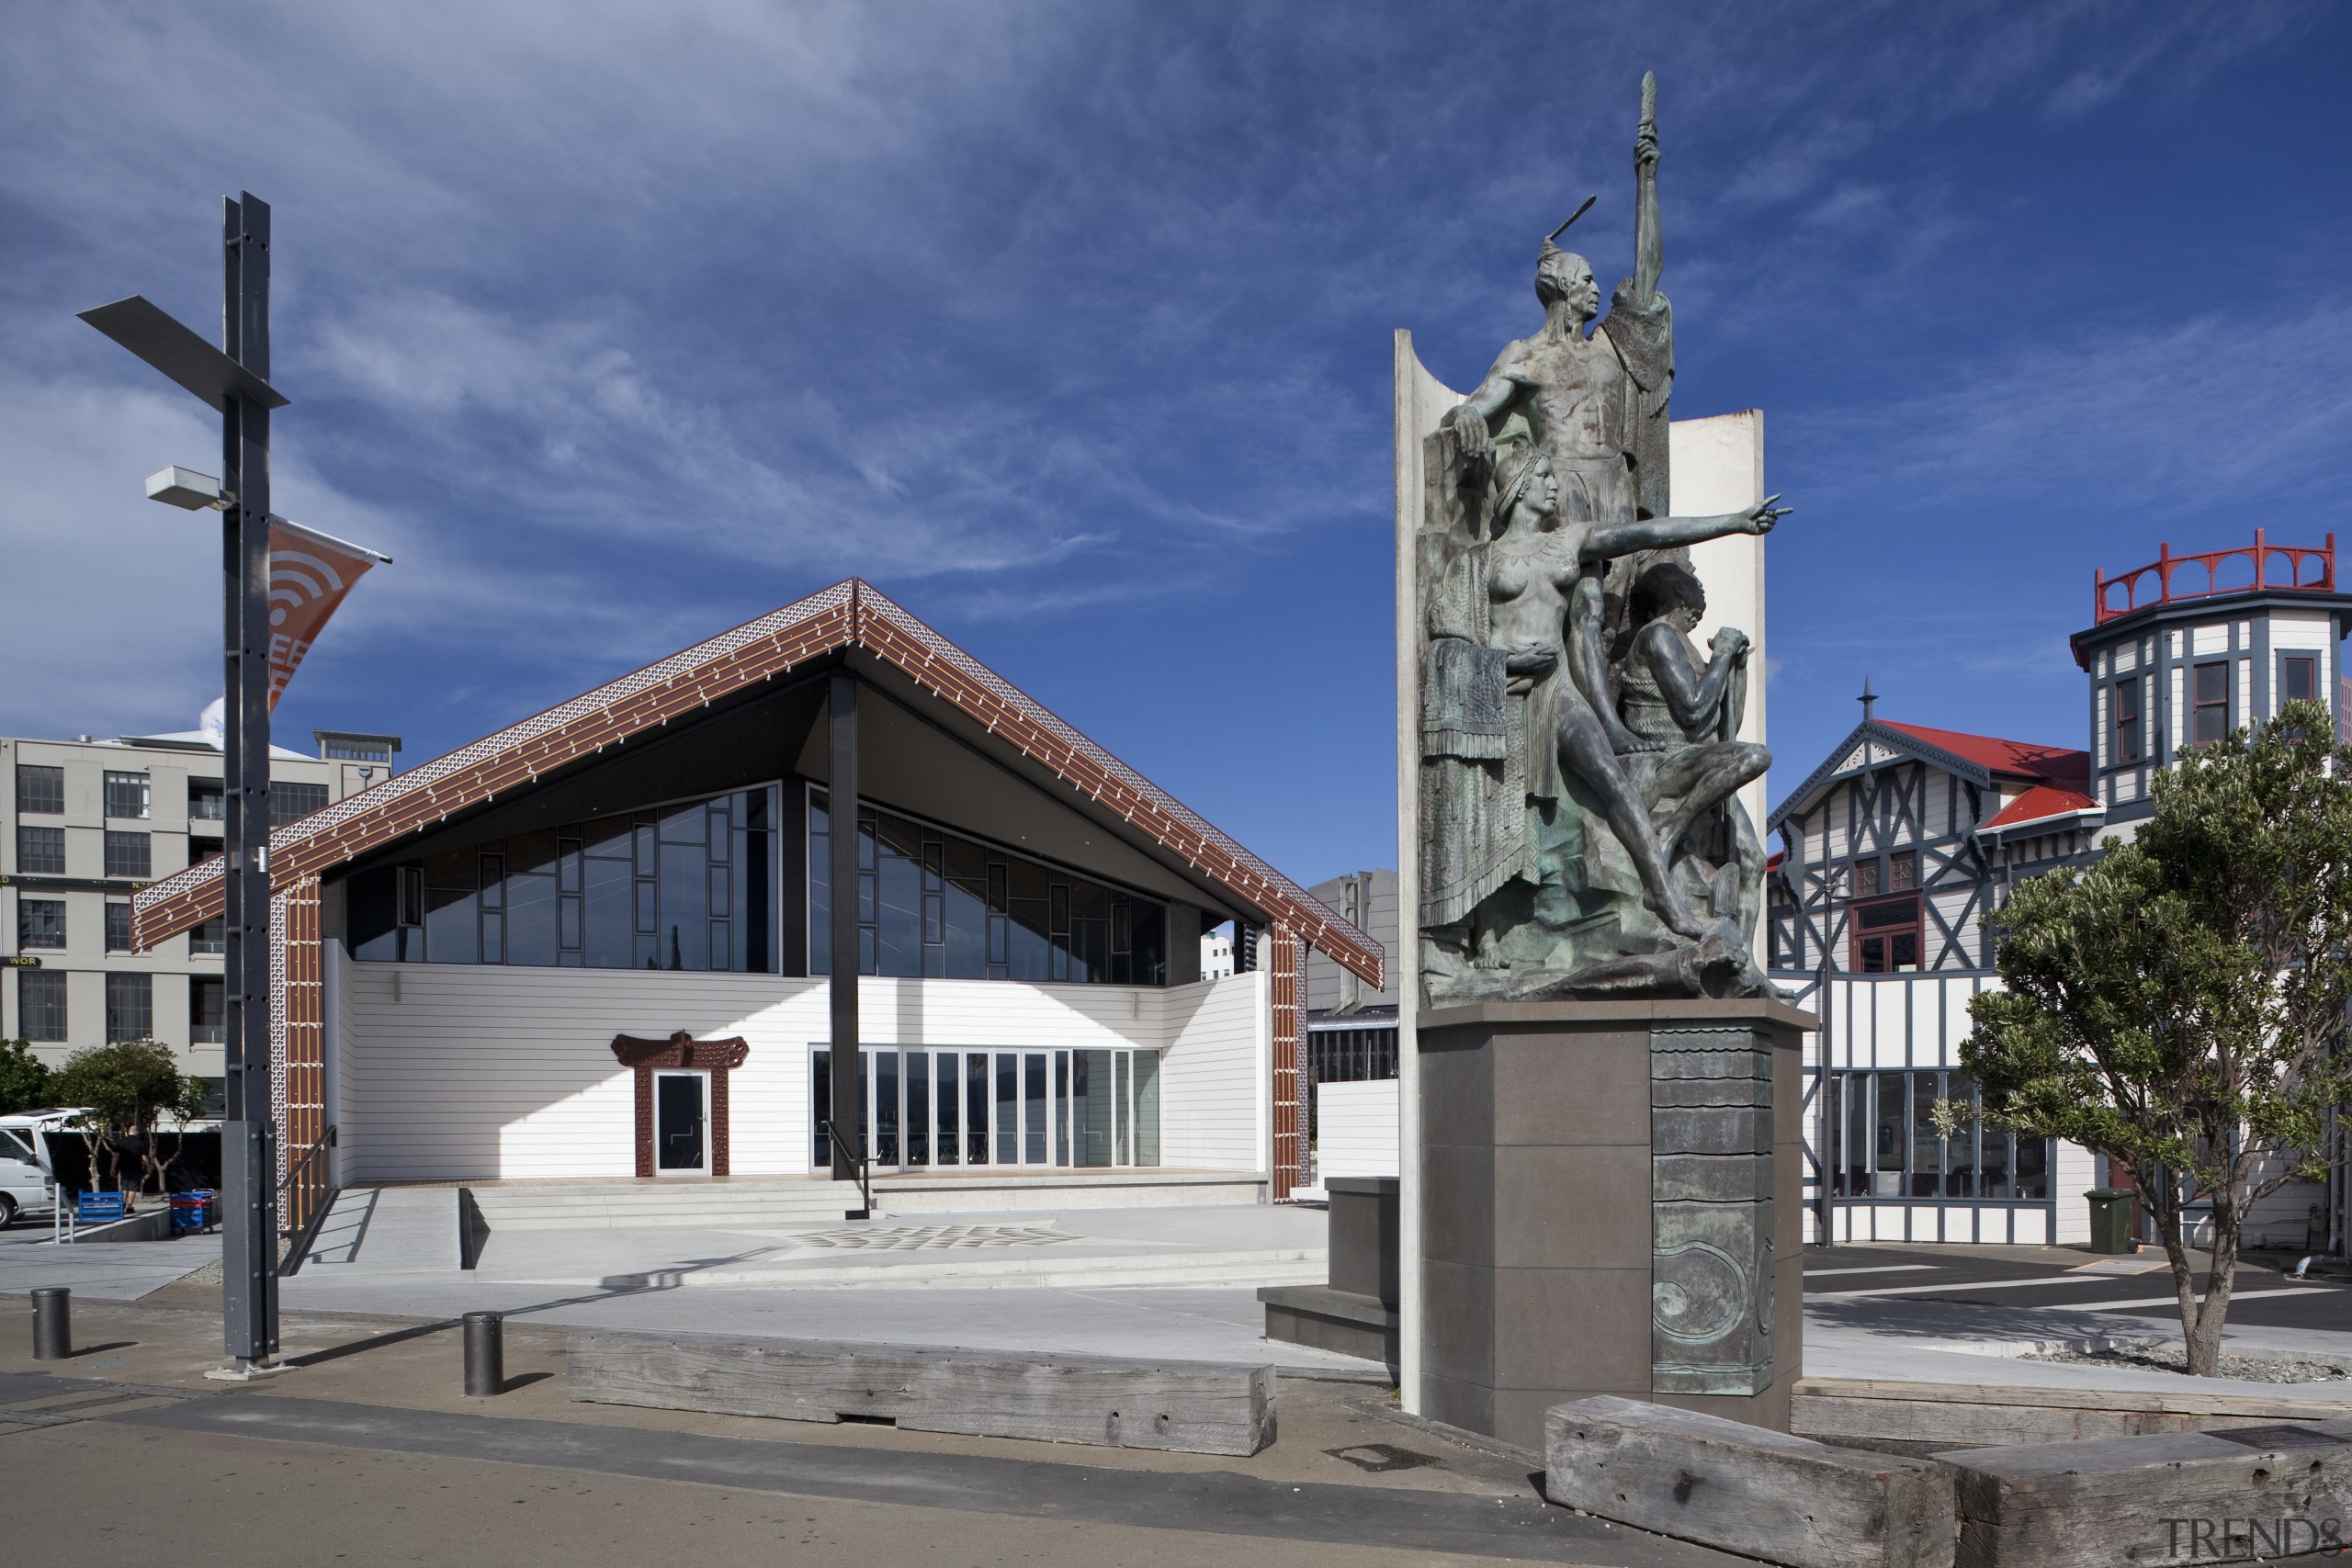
86 822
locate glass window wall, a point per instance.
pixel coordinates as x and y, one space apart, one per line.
688 886
1004 1108
934 905
1880 1141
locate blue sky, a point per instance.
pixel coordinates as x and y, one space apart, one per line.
1069 326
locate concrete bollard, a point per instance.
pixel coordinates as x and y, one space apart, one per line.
53 1324
485 1354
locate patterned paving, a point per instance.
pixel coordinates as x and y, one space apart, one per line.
924 1238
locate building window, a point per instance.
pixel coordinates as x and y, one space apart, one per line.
131 1008
932 903
207 1009
2299 680
127 796
129 855
40 1004
1865 880
1021 1107
212 936
117 925
2127 720
289 800
1879 1141
40 789
1903 871
40 924
40 851
202 850
692 885
207 801
2212 705
1886 936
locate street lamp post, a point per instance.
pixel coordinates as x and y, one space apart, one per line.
236 382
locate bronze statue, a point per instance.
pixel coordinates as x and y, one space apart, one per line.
1575 838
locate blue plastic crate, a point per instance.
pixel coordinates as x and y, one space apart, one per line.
99 1208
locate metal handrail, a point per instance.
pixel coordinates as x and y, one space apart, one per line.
304 1196
860 1160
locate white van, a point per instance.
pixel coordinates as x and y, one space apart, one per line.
26 1181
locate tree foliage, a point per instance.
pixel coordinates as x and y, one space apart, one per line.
126 1089
2178 1005
24 1077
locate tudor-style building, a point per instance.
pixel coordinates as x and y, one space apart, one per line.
601 943
1894 850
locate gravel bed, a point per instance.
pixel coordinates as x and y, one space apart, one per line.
2270 1366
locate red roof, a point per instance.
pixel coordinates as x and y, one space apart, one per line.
2057 764
2041 801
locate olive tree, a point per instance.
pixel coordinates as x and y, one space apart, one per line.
126 1088
2179 1005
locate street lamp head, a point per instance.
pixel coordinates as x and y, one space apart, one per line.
186 486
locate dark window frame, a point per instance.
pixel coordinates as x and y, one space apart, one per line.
2123 716
129 854
42 997
35 793
131 1008
1874 932
35 842
124 788
40 935
2308 665
2202 706
118 926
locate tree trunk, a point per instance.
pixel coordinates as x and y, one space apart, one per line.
2205 1338
2167 1203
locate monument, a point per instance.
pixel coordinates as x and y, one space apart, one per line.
1605 1085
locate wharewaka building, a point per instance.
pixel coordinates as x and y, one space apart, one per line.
487 964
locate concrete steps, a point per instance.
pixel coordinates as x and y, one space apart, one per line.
738 1202
1280 1266
645 1205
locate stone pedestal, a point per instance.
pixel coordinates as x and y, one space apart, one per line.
1610 1204
1355 1313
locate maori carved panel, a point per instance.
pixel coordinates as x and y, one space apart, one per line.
1711 1204
682 1050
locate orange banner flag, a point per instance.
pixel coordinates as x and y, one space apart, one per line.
309 574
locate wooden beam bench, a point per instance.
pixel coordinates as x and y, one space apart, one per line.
1747 1489
2244 1492
1112 1402
1925 1418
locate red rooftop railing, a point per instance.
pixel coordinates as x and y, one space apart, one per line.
2260 564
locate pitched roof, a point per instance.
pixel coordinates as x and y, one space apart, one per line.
849 614
1980 759
2058 764
2041 803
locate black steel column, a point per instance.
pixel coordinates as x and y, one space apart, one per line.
248 1168
848 1075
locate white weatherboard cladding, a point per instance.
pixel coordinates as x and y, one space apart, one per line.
1355 1129
2126 658
2244 709
2210 639
1219 1042
454 1072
